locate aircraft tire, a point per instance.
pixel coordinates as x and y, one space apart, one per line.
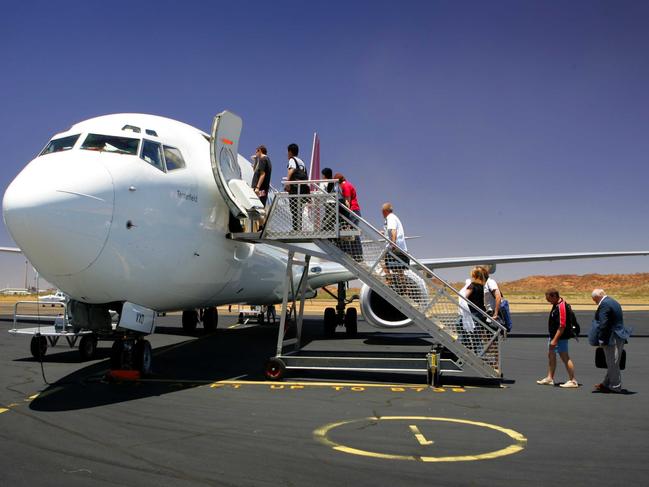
143 357
351 322
329 322
38 347
190 320
210 319
275 369
87 347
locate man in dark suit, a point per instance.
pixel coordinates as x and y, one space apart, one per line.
612 334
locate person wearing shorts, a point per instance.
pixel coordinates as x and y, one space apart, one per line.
556 345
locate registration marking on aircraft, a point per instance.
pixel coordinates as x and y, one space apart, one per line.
321 435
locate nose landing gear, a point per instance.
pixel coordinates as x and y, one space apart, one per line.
131 357
341 315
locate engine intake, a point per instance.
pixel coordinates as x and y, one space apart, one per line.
378 312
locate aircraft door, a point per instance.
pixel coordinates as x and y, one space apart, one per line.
239 196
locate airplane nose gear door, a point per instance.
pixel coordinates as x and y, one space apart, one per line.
239 196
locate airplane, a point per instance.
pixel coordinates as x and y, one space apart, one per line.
131 213
57 297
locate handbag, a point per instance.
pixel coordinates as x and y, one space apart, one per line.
600 359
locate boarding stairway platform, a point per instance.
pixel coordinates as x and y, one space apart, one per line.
318 225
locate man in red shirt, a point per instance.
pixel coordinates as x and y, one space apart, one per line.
351 210
348 192
558 343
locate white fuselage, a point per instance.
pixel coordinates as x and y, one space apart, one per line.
105 226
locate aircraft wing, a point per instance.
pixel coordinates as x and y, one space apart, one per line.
323 273
510 259
13 250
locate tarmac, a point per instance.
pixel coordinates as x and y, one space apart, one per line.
208 418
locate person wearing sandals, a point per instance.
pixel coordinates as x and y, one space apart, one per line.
556 344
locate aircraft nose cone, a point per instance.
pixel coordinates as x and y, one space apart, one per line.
59 211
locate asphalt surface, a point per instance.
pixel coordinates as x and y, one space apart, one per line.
206 417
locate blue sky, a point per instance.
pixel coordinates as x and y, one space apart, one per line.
494 127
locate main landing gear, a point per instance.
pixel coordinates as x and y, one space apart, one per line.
208 316
341 315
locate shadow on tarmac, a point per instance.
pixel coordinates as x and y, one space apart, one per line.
213 357
207 358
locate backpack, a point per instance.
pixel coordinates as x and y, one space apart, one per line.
504 315
572 325
299 174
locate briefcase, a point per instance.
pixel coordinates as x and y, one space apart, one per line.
600 359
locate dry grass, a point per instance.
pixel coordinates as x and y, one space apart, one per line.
524 295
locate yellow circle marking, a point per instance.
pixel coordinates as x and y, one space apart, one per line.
519 440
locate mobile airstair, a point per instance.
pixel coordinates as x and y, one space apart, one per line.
314 225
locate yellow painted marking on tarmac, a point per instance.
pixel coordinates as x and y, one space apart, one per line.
288 385
32 397
48 392
420 438
3 410
321 435
357 387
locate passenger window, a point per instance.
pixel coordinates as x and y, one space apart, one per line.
152 153
58 145
173 158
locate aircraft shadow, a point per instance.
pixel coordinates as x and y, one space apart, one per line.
70 356
224 354
214 357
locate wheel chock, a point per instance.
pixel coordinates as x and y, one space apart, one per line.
123 375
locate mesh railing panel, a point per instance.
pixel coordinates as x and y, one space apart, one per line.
299 216
318 216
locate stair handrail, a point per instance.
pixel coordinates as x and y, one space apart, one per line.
425 270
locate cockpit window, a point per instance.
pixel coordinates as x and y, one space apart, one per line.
173 158
132 128
58 145
109 143
152 153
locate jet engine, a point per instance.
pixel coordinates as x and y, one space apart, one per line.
381 314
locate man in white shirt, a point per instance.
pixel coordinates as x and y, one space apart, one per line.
296 172
395 260
393 227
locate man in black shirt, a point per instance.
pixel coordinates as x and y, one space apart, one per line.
261 178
